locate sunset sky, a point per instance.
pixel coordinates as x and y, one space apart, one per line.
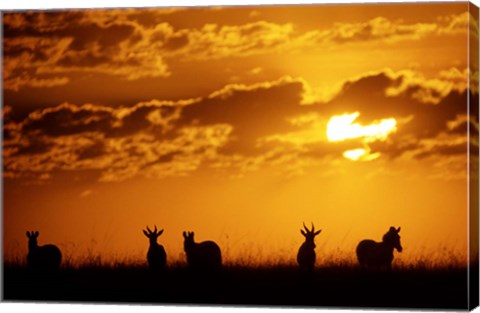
240 124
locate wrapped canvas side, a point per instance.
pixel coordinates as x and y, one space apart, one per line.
473 103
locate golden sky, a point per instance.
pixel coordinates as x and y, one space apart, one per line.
239 124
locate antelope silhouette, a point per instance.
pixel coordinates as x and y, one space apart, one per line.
379 254
202 257
156 256
47 257
306 254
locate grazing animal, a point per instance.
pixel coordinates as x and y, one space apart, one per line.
306 253
156 256
202 257
379 254
45 258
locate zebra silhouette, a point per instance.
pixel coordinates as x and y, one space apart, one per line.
203 256
45 258
373 254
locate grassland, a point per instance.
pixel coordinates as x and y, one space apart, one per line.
330 285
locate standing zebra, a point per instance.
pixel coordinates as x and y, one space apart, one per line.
204 256
379 254
43 258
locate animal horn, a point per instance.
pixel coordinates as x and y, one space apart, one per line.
398 229
149 230
305 227
313 228
155 228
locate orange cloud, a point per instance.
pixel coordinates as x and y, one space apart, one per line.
377 29
238 127
41 45
43 49
429 90
460 23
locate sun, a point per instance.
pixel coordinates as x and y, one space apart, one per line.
342 127
361 154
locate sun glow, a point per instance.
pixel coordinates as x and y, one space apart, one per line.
341 127
360 155
354 154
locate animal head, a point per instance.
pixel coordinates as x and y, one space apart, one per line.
32 238
189 240
392 238
152 235
309 234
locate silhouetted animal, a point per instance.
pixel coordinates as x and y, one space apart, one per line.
156 256
202 257
47 257
306 253
379 254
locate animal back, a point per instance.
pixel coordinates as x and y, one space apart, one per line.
206 255
374 254
45 257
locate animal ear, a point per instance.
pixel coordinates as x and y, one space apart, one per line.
398 229
160 232
185 235
28 234
146 234
318 232
36 234
303 232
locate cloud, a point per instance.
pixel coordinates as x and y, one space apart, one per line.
430 91
383 30
426 110
119 158
23 57
148 138
376 29
69 136
255 110
429 111
147 156
215 42
241 128
458 23
43 49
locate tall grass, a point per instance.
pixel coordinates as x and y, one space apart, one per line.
247 256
